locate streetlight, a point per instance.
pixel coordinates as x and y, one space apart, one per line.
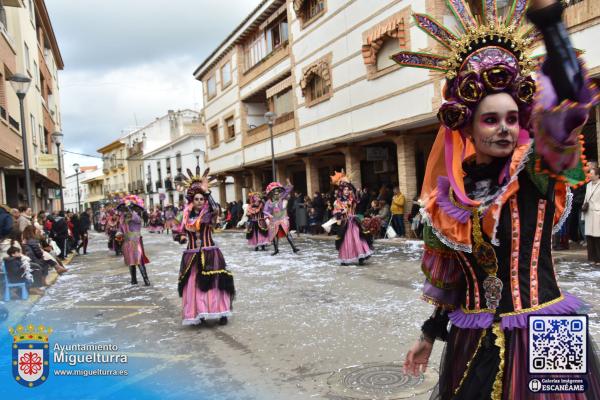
20 84
76 167
270 117
197 153
57 139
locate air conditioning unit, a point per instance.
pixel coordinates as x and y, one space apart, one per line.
381 166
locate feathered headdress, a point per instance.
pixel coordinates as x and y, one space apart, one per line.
273 186
339 178
131 200
484 57
192 184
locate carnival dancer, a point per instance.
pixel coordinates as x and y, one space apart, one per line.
130 224
205 285
111 227
353 243
156 221
257 228
169 217
275 210
496 187
177 233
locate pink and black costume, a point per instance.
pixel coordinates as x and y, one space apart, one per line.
276 211
487 259
205 285
352 242
257 228
130 224
156 223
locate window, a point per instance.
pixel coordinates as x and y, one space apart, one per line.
283 103
226 74
32 127
31 15
390 47
308 10
26 55
178 162
43 139
168 162
229 128
214 135
36 75
265 42
211 87
316 82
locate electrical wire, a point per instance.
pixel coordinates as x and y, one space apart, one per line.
128 159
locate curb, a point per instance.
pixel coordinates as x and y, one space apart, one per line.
19 308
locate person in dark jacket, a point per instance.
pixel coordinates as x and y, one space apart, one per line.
32 249
84 227
60 233
75 232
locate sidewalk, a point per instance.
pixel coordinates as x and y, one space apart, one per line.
19 308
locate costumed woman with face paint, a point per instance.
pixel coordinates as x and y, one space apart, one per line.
205 285
131 208
496 188
276 212
257 228
352 242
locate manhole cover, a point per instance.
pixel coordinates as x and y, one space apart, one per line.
380 381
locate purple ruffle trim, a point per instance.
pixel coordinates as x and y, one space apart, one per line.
443 201
569 305
444 296
471 321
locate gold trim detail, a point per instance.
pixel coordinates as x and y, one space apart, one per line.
500 343
531 309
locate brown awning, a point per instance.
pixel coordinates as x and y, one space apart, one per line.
279 87
35 176
373 39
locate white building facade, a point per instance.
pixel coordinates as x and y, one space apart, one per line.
164 166
71 186
323 67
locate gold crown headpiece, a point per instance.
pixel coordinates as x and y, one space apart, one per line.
25 334
194 179
338 178
496 39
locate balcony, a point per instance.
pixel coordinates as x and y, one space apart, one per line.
149 188
168 184
7 48
578 12
10 151
135 150
158 184
283 123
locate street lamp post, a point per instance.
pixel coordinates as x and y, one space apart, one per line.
76 167
197 153
57 139
20 84
270 117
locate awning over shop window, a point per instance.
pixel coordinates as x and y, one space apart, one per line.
279 87
392 27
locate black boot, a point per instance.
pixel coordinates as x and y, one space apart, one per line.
275 247
361 261
294 248
256 248
144 275
263 247
223 321
133 274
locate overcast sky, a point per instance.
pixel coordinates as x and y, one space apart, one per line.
129 61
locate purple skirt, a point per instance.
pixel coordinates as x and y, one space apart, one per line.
132 250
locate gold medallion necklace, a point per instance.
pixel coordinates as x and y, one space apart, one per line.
485 255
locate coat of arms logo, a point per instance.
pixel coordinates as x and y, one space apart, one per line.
30 354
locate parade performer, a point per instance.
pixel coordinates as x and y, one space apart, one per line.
169 217
353 243
177 233
111 227
130 224
257 229
496 187
276 212
156 223
205 285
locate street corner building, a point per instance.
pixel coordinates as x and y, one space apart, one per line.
29 47
324 68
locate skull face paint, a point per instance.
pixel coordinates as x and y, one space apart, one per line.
495 127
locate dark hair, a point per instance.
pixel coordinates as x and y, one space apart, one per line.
22 208
12 250
595 170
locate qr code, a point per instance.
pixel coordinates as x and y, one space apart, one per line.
557 344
